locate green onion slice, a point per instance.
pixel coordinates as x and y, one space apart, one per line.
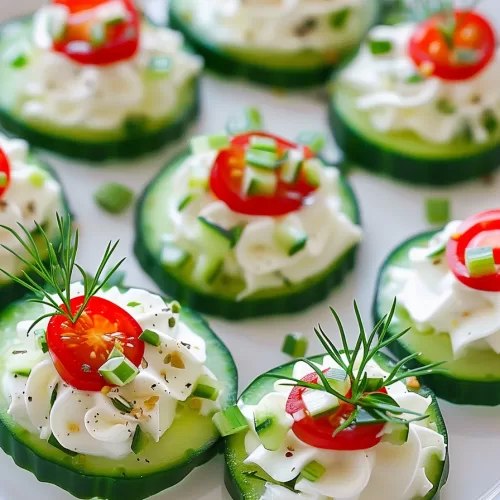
437 210
119 371
207 388
205 143
230 421
312 471
480 261
150 337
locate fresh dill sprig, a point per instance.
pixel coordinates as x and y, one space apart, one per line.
57 270
369 404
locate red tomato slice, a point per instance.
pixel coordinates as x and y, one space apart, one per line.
318 432
473 37
121 39
226 181
4 172
79 350
480 230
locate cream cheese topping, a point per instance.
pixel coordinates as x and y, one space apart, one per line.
393 103
88 422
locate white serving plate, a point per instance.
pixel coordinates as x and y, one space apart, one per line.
390 212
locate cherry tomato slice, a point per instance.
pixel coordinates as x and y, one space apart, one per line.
454 55
79 350
480 230
4 172
226 181
121 40
318 432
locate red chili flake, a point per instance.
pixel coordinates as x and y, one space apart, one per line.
288 454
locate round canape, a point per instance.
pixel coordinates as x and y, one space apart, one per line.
30 194
93 81
336 426
108 391
446 282
420 101
247 225
274 42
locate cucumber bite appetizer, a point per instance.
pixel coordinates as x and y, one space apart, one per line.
107 392
247 225
348 425
31 195
421 101
91 80
274 42
448 288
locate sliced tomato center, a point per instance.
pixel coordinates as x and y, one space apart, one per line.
318 432
226 180
453 47
4 172
80 349
89 40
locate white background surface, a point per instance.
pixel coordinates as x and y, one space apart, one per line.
390 213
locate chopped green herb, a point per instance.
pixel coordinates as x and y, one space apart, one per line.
17 56
313 140
150 337
490 121
97 35
445 106
121 404
379 47
114 198
160 66
480 261
295 345
312 471
415 78
340 18
37 178
3 179
437 210
262 159
251 120
205 143
185 202
115 353
207 388
41 338
53 396
57 27
176 307
133 304
230 421
118 371
171 322
447 30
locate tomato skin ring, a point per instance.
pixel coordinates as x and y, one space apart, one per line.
457 245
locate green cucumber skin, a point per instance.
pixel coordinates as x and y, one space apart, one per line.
247 308
130 487
453 389
427 172
241 488
228 65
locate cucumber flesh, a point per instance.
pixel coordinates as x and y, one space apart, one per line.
398 435
290 238
290 170
215 239
257 182
174 256
208 268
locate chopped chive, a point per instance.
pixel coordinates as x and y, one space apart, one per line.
3 179
160 66
313 140
262 159
16 57
207 388
379 47
339 18
114 198
295 345
230 421
121 404
263 143
437 210
185 202
118 371
133 304
480 261
174 256
37 178
445 106
312 471
489 121
53 396
150 337
56 444
97 35
176 307
41 338
204 143
415 78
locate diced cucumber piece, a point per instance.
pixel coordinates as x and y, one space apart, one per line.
185 201
290 169
174 256
150 337
295 345
437 210
160 67
207 268
339 19
37 177
480 261
262 159
319 403
338 380
250 121
139 441
399 434
97 35
198 177
271 422
312 471
257 182
312 171
118 371
313 140
290 238
215 239
54 442
230 421
205 143
263 143
17 56
207 388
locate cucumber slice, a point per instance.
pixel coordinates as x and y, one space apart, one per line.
268 66
404 155
189 442
216 240
398 435
208 268
257 182
472 379
139 136
271 422
152 222
290 238
241 486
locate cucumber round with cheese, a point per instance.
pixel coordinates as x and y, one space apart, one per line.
140 132
238 478
473 378
198 280
188 443
274 66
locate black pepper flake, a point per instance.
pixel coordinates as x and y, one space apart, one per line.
19 352
15 375
187 346
86 368
153 386
188 385
147 461
30 399
306 26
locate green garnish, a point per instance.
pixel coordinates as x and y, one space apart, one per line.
17 57
263 143
313 140
379 47
53 396
437 210
37 178
480 261
56 444
490 121
207 388
250 121
415 78
312 471
230 421
118 371
57 28
115 353
185 202
133 304
42 340
262 159
114 198
295 345
121 404
339 18
444 106
160 66
3 179
56 276
97 35
176 307
378 406
150 337
205 143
